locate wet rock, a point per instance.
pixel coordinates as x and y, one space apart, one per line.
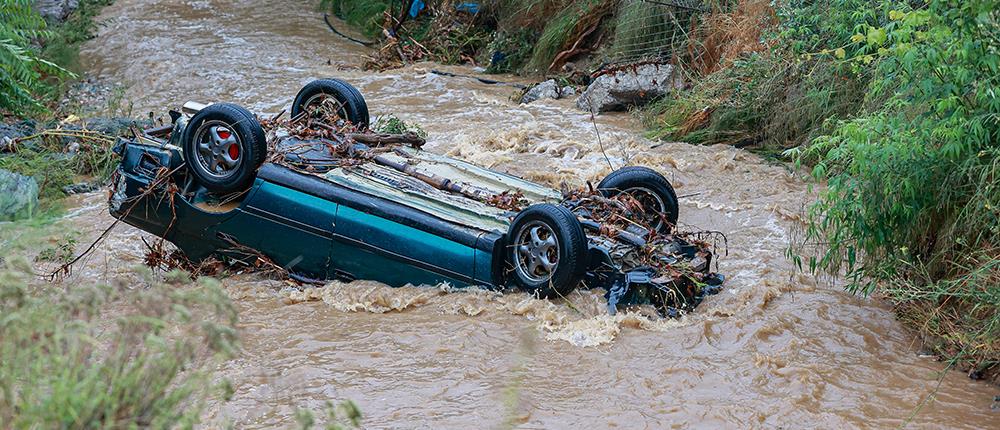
10 132
116 126
81 188
18 196
93 97
6 144
628 87
545 90
55 10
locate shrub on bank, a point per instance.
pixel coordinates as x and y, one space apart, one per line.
67 365
767 76
912 206
895 106
22 69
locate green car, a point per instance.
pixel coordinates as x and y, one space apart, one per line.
325 198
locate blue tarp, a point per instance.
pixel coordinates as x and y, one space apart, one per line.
416 7
469 6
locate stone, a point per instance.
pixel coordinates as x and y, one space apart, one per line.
567 91
55 10
18 196
632 86
116 126
10 132
548 89
81 188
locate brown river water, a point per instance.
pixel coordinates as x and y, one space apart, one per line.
776 349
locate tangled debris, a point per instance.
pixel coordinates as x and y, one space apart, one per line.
670 273
310 144
509 201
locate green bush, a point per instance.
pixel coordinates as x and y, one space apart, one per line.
366 15
22 71
67 365
911 204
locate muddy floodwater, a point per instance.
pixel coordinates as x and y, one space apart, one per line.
776 349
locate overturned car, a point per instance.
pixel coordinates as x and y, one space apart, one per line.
325 198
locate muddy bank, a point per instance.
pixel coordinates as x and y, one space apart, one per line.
774 349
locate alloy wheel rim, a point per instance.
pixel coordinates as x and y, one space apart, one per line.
219 149
536 252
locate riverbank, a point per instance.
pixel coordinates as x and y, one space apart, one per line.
57 141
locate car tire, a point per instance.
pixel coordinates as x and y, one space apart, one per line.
355 109
650 188
547 250
224 145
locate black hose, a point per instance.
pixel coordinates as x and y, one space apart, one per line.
326 17
483 80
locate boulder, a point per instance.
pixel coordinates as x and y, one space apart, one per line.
548 89
18 196
81 188
630 86
11 132
55 10
116 126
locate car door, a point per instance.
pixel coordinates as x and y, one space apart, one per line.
292 228
388 242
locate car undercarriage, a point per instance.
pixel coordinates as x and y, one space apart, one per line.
319 194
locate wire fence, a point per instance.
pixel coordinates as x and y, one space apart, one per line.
651 30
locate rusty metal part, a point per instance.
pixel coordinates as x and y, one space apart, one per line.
408 138
435 181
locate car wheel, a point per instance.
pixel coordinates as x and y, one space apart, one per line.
547 250
650 189
224 145
332 95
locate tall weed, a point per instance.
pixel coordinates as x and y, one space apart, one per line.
67 365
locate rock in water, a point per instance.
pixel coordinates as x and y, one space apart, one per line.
18 196
55 10
628 87
10 132
548 89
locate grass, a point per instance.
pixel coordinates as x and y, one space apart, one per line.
44 157
530 33
63 47
563 30
68 363
365 15
751 87
642 29
514 45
